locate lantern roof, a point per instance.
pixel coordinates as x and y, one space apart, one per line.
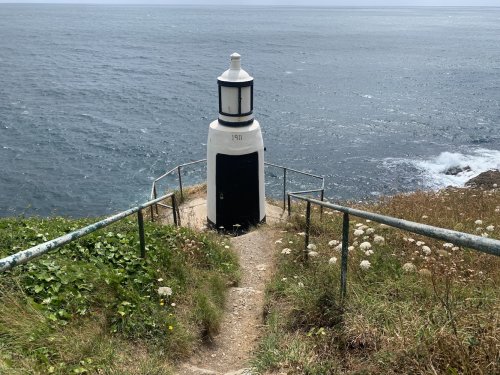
235 73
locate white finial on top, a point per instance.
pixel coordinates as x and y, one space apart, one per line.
235 61
235 73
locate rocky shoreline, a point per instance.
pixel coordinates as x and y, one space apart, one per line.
486 180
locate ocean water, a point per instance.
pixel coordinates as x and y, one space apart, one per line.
97 101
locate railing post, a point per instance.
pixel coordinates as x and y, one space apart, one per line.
308 227
284 188
151 207
140 222
154 193
321 207
345 253
289 205
174 209
180 182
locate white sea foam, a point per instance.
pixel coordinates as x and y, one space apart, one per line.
434 168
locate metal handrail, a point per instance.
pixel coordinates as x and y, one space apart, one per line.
285 169
485 245
33 252
38 250
178 169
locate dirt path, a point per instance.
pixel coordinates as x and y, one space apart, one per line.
241 326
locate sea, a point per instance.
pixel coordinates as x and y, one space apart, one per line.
96 101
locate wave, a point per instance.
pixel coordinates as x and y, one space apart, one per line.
433 170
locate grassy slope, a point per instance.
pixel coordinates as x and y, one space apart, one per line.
93 306
442 318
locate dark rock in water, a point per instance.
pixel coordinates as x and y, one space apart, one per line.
453 171
486 180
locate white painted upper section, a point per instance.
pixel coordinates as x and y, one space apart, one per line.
235 73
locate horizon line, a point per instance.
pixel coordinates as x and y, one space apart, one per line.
247 4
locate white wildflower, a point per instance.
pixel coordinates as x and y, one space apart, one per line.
426 250
290 242
379 240
370 231
332 260
160 280
279 241
350 248
455 248
284 279
448 244
300 284
311 246
443 253
359 232
355 243
409 267
226 247
286 250
365 246
368 252
490 228
479 229
485 235
358 225
420 243
313 254
405 239
368 220
333 243
366 237
365 264
164 291
425 272
411 240
303 234
338 247
478 222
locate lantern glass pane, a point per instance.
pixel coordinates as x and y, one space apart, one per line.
245 99
229 99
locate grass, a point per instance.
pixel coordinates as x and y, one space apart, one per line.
93 306
411 311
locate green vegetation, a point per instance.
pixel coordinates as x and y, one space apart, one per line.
94 306
411 308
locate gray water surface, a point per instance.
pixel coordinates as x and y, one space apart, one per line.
96 101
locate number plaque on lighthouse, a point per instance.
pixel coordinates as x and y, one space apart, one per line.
235 156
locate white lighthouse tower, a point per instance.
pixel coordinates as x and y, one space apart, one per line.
235 155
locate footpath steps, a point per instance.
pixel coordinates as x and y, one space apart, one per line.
231 349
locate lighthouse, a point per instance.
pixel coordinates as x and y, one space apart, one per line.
235 155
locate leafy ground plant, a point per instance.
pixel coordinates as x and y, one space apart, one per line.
95 306
414 305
